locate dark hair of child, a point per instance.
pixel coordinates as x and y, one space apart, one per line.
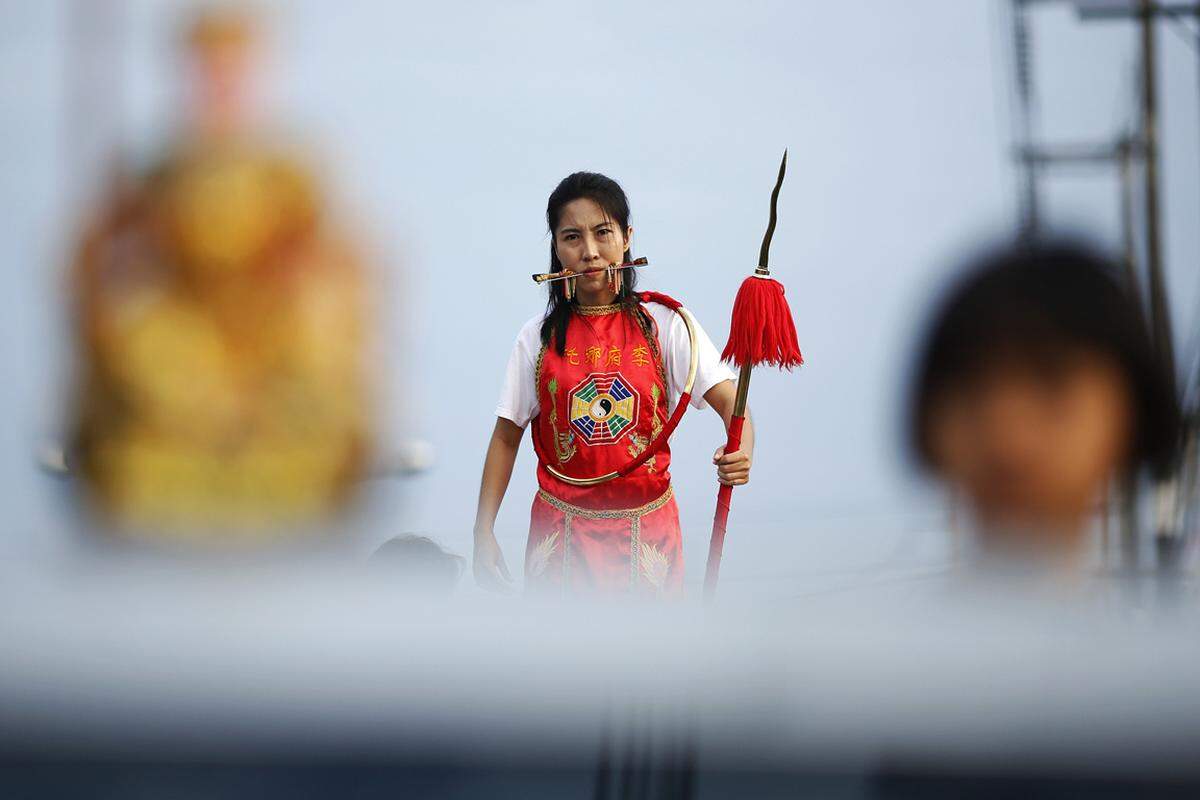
1042 303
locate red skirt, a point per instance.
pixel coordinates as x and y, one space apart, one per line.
574 550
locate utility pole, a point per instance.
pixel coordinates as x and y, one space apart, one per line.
1037 159
1160 318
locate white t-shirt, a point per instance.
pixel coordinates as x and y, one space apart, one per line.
518 395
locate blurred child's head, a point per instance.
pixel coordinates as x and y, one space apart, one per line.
1037 382
419 564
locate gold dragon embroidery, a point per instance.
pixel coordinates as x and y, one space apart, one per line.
655 566
540 557
638 442
564 443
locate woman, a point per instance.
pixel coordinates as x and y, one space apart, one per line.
597 376
1037 385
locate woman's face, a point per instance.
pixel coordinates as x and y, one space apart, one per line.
1032 445
586 238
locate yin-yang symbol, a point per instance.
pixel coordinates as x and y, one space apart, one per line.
601 407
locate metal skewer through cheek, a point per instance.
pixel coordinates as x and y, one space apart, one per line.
549 277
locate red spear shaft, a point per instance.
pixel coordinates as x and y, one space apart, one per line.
761 331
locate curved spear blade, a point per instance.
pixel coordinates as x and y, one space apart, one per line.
764 252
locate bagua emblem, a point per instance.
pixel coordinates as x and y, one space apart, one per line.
603 408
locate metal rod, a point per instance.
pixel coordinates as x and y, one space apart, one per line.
1130 551
1125 491
1106 526
1023 75
1079 153
1159 312
1128 244
1130 10
547 277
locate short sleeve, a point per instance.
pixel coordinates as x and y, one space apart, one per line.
518 392
676 350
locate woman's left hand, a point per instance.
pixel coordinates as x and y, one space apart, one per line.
732 469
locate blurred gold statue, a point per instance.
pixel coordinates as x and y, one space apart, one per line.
221 328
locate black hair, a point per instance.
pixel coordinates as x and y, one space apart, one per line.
607 194
1037 300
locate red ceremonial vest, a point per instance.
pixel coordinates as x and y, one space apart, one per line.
601 403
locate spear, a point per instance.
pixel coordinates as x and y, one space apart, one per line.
761 331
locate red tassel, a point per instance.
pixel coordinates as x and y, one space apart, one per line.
761 330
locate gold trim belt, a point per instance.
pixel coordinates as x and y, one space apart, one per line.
618 513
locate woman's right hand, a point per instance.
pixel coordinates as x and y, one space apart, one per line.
490 570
